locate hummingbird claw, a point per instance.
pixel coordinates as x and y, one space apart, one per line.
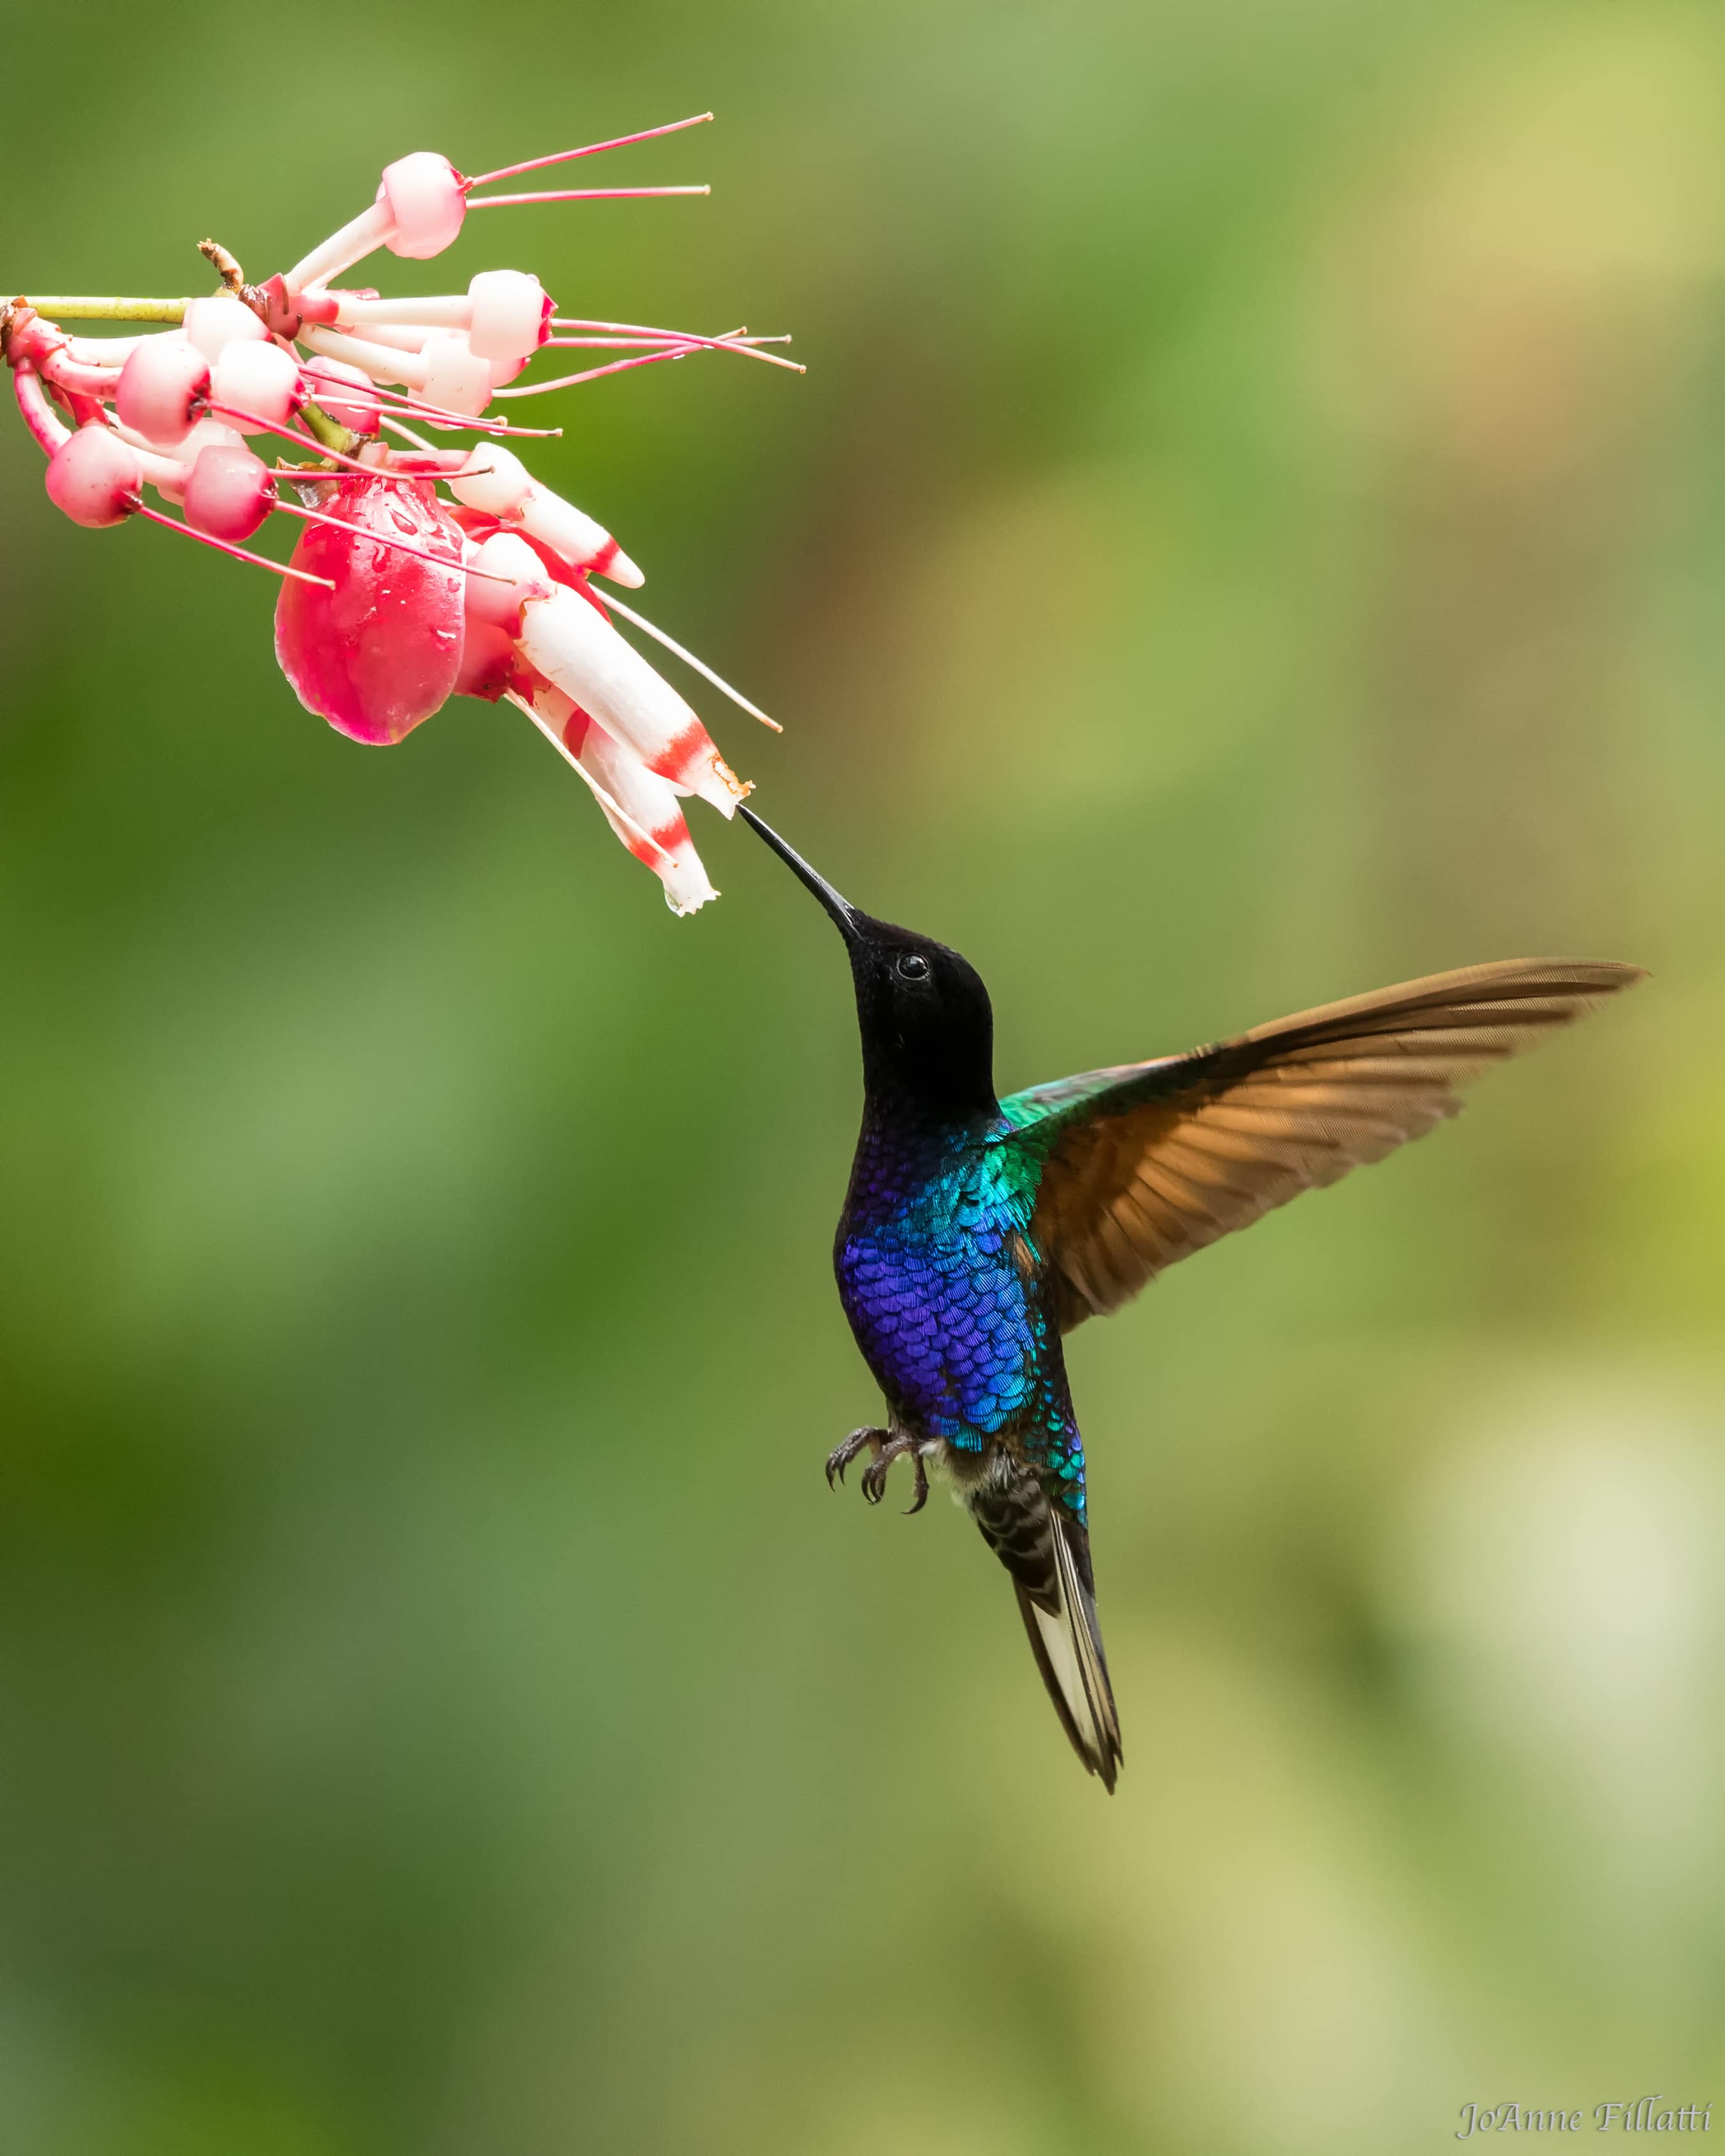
887 1445
841 1456
873 1480
920 1498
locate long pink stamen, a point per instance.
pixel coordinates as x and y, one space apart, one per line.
227 546
418 441
646 329
749 348
305 474
287 434
628 343
590 149
593 374
377 539
400 401
580 194
615 605
431 463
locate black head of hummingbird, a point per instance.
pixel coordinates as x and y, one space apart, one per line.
927 1024
978 1232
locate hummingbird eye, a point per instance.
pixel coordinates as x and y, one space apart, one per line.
912 966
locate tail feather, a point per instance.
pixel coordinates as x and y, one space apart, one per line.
1048 1555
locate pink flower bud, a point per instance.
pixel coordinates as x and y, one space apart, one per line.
211 325
382 650
94 477
455 378
261 379
426 203
510 312
229 493
158 385
347 393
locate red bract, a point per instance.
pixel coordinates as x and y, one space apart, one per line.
382 651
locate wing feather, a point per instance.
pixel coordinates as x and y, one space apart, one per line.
1143 1163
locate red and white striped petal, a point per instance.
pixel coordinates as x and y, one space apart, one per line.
567 638
649 823
572 534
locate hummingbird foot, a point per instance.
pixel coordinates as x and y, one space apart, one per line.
873 1480
885 1447
842 1454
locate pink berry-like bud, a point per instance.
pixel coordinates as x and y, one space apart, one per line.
511 310
94 477
261 379
497 482
347 393
158 385
382 651
229 493
455 378
211 325
425 200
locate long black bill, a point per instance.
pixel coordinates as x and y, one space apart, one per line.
843 911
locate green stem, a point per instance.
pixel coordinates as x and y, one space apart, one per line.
328 431
58 309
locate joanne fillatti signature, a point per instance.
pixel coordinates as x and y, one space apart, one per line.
1650 2115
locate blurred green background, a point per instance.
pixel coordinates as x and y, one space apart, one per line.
1253 530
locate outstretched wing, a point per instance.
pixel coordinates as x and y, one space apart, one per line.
1145 1163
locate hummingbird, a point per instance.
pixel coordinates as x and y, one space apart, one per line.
977 1232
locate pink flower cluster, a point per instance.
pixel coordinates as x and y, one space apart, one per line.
397 594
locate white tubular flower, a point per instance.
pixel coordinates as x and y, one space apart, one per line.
496 482
641 807
566 637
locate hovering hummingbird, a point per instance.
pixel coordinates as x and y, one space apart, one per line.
977 1232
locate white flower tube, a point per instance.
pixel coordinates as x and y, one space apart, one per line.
567 638
498 482
651 824
380 361
443 311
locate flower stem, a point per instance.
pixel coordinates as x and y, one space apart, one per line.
109 310
328 432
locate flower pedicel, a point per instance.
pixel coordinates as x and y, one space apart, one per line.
397 594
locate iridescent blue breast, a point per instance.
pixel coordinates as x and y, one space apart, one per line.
938 1282
931 1275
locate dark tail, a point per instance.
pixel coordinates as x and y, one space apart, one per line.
1048 1554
